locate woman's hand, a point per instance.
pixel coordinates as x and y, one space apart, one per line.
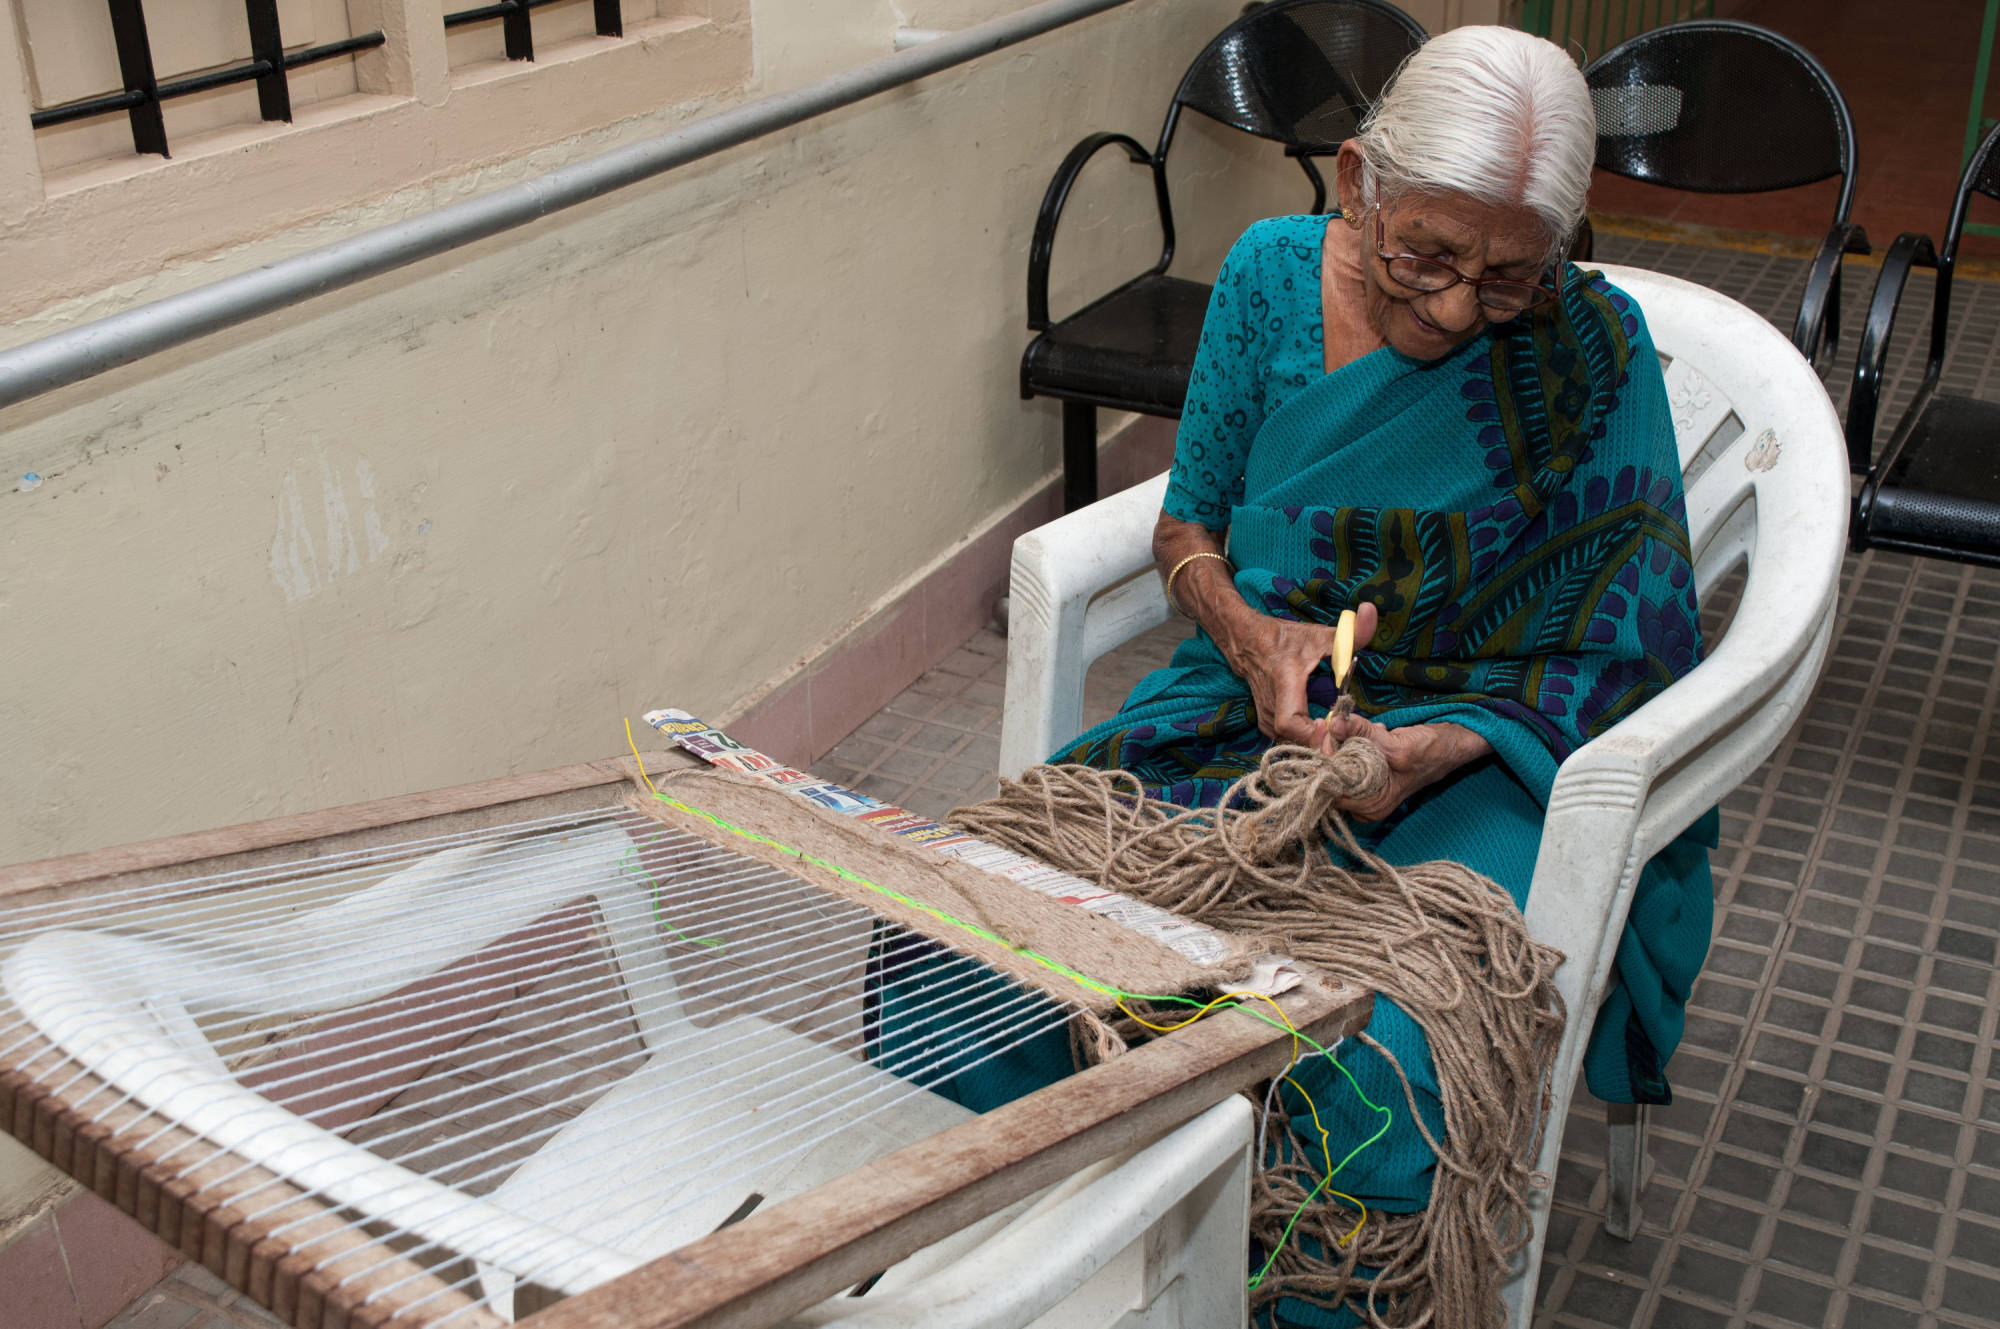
1419 755
1276 656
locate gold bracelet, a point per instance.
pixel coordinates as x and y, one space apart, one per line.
1205 553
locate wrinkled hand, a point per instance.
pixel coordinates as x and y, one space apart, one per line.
1276 656
1419 755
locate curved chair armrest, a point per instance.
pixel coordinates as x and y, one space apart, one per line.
1620 798
1042 247
1818 324
1058 622
1911 249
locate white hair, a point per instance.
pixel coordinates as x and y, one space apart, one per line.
1490 112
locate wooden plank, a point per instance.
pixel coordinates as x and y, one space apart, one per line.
217 1209
177 850
781 1260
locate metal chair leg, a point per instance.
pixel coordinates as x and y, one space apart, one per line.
1079 455
1624 1168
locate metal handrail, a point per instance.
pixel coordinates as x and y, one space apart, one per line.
40 366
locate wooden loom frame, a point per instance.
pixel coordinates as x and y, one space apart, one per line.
780 1260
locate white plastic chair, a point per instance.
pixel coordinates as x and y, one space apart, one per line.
1150 1239
1764 465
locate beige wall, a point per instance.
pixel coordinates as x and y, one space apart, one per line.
461 520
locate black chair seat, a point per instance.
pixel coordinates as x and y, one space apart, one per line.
1942 492
1936 489
1133 349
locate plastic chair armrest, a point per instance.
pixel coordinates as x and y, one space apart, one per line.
1042 248
1703 779
1818 324
1053 628
1911 249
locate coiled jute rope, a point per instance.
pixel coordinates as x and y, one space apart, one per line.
1445 943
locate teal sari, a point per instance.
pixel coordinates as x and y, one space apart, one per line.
1514 512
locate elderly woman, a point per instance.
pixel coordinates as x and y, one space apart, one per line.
1415 409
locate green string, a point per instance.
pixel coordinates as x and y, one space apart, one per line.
1285 1237
1084 981
848 874
715 943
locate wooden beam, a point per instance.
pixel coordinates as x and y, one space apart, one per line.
793 1255
197 846
303 1259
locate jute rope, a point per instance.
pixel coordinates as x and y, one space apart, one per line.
1446 944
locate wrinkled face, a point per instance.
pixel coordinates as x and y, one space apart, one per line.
1475 239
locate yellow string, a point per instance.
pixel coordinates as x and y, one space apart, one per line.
1326 1148
637 758
714 943
1169 1028
1326 1142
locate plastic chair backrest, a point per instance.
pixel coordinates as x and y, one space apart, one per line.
1719 107
1299 72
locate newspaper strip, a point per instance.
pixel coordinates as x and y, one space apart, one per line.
1198 943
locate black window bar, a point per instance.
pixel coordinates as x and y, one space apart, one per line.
519 33
144 93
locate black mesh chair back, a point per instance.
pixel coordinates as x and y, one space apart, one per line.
1935 490
1301 73
1721 108
1730 108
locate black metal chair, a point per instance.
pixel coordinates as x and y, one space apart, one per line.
1936 489
1298 72
1717 107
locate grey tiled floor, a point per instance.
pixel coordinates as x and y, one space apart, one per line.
1833 1154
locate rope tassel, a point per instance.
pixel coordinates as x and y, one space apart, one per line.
1444 943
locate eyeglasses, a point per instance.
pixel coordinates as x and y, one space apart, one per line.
1427 275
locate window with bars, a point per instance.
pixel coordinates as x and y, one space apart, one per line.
112 77
109 78
516 29
90 198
